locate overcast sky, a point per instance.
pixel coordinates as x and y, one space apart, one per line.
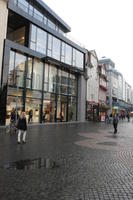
103 25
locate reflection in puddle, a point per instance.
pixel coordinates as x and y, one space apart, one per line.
30 164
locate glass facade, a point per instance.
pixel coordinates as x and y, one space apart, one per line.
50 92
56 49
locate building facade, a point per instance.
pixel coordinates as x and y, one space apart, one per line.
40 69
103 108
118 90
112 84
92 103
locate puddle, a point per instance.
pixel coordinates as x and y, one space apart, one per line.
108 143
112 136
30 164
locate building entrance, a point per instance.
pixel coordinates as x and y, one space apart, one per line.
32 109
62 106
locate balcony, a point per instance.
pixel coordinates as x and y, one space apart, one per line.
103 87
36 14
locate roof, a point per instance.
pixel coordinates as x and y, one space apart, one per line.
66 27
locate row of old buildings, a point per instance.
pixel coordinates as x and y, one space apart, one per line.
44 71
107 90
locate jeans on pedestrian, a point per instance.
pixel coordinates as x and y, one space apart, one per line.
19 135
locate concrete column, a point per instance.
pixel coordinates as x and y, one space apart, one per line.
3 29
81 99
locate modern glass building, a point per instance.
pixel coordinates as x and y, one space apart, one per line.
40 69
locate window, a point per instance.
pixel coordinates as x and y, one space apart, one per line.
38 39
19 69
72 85
33 33
50 44
74 57
37 75
41 41
68 54
52 78
53 47
78 58
16 69
63 48
72 104
11 68
46 77
29 73
64 82
56 48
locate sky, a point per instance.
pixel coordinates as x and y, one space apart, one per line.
103 25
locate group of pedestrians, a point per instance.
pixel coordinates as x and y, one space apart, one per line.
20 124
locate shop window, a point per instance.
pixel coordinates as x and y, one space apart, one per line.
72 85
49 107
46 77
72 107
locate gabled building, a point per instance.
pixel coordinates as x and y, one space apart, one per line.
103 108
92 98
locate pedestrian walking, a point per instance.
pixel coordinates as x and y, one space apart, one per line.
12 127
44 117
115 122
30 116
22 127
128 117
61 117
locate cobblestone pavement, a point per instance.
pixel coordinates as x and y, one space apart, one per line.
92 163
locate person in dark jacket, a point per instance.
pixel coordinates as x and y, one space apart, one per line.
115 122
30 116
13 115
22 127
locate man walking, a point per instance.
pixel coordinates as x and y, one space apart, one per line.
115 122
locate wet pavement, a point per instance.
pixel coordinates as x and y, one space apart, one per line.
80 161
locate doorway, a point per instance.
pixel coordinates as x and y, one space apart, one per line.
62 107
